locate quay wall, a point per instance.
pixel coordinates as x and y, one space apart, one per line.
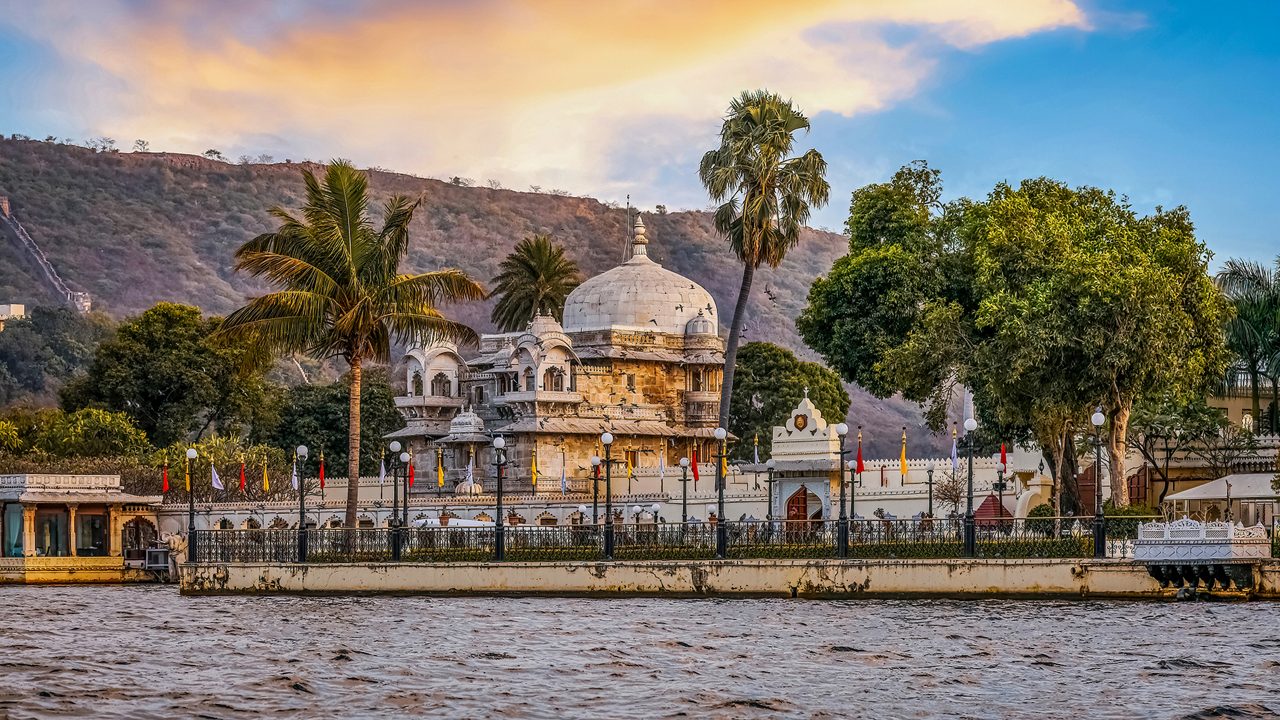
723 578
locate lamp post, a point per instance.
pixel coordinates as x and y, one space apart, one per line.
933 465
654 508
301 452
684 491
404 478
770 465
606 439
842 529
500 522
394 522
595 489
1099 522
722 529
191 509
636 510
999 487
970 530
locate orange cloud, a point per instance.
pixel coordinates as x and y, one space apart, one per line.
534 92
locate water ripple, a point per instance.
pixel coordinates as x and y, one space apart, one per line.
145 652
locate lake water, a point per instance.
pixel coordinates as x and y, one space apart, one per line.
146 652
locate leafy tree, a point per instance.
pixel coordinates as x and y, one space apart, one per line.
765 196
535 278
1164 428
165 371
1043 300
226 454
341 292
1253 333
90 432
213 154
141 146
315 415
9 440
771 382
40 352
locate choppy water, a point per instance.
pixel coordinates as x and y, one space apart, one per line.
146 652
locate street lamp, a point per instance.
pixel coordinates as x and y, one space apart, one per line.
606 439
1099 522
933 465
654 508
970 531
301 453
394 447
842 529
771 465
684 490
635 513
595 489
582 514
999 486
722 530
500 522
404 479
191 509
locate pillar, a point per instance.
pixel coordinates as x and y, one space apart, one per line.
28 530
71 528
113 530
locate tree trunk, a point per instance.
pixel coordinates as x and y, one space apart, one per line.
353 445
1257 399
1116 446
731 347
1275 405
1069 490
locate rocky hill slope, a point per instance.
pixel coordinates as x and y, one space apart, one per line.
134 229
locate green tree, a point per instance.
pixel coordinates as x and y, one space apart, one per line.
226 454
771 382
164 370
342 293
765 196
1043 300
40 352
535 278
315 415
90 432
1253 333
10 442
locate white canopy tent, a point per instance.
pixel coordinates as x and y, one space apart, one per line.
1252 497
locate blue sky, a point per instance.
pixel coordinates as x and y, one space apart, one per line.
1167 102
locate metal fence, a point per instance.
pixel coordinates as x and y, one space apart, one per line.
1052 537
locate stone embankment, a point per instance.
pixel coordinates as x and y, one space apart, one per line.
719 578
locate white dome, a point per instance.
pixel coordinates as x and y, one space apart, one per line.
638 295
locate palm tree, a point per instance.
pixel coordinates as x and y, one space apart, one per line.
341 292
765 195
536 278
1253 334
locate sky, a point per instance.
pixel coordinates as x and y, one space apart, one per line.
1168 103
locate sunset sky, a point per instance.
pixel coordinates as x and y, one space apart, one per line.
1167 102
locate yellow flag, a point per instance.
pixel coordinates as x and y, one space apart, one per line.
533 465
188 476
904 452
629 468
439 467
266 484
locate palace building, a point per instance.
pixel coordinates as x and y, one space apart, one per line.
638 355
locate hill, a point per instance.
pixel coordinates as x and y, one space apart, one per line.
134 229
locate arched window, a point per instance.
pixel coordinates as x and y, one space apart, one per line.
440 385
553 380
528 380
225 524
279 523
417 384
479 395
252 524
695 380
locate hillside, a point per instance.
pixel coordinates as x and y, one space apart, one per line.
134 229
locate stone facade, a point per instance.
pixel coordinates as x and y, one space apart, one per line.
638 356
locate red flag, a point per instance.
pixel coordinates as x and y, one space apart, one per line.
695 467
410 474
242 477
322 471
861 467
1003 460
164 477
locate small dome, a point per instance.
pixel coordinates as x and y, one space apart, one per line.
638 295
700 325
466 422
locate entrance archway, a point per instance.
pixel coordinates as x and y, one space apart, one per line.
804 514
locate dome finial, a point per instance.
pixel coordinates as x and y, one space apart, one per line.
638 240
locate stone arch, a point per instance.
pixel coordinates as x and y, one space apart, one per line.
364 521
225 524
137 535
333 522
441 385
278 523
553 379
546 518
528 380
415 386
483 517
251 524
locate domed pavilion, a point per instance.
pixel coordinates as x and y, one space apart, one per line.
638 355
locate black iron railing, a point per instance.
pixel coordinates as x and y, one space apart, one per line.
1064 537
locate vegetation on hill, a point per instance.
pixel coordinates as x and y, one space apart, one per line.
134 229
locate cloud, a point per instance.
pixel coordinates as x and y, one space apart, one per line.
597 98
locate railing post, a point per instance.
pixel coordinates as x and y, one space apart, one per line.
395 543
302 544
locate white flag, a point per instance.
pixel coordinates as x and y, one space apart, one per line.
217 481
295 474
470 476
382 471
662 464
564 481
